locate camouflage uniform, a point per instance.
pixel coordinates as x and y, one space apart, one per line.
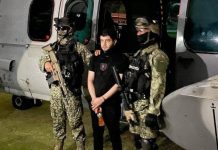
158 61
67 108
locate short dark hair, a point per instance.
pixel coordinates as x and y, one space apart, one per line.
109 32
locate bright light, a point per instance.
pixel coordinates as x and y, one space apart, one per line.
215 39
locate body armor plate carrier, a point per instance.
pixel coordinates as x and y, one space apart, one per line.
137 78
71 64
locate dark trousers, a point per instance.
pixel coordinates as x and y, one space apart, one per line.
111 115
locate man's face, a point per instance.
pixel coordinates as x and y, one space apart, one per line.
106 42
63 30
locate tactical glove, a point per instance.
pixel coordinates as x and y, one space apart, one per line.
130 116
151 121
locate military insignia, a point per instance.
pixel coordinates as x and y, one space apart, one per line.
103 66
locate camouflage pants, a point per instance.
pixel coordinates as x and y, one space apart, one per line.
66 108
140 110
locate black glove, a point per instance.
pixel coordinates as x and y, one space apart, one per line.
151 121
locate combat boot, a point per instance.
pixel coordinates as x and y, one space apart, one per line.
59 144
80 145
149 144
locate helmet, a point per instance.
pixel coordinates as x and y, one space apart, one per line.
64 21
143 22
64 27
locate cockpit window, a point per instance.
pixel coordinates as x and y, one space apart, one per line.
201 29
40 20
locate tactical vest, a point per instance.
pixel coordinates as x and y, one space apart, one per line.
137 79
71 65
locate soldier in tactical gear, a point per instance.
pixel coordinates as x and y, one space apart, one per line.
146 79
71 56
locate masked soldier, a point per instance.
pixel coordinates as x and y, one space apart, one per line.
146 79
71 56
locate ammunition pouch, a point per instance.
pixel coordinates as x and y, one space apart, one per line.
138 96
76 91
134 96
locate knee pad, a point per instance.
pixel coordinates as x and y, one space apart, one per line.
149 144
146 145
137 141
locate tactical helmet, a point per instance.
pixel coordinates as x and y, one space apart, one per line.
143 22
64 21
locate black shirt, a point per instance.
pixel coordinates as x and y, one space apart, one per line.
102 66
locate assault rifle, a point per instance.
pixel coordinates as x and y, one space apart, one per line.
56 74
124 95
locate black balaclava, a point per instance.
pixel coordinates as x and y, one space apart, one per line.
147 39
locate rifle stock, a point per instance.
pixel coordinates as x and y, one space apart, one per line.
56 74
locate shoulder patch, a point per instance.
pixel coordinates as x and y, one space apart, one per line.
160 61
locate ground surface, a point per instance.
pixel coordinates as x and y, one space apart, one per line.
31 129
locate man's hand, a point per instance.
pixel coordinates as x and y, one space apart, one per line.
97 52
49 67
97 102
98 110
130 116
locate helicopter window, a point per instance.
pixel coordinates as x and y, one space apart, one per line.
201 28
40 20
80 11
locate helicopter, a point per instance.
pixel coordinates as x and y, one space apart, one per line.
190 109
188 34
